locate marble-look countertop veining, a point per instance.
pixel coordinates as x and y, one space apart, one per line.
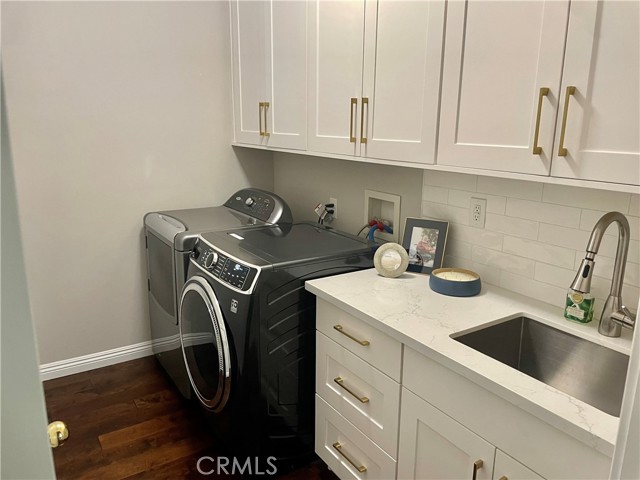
406 309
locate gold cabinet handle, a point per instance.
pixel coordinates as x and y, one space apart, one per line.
562 152
339 328
360 468
476 466
365 101
260 105
340 381
58 433
352 137
265 106
503 477
537 150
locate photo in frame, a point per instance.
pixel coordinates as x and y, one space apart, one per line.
425 240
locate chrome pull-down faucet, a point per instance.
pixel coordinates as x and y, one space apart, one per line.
615 315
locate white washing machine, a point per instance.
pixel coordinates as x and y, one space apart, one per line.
170 236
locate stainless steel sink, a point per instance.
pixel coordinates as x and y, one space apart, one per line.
577 367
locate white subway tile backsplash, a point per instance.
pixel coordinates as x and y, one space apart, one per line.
511 226
503 261
457 248
532 288
459 181
460 198
541 252
535 234
589 218
560 277
445 212
634 205
604 268
543 212
563 236
510 188
585 198
487 274
600 288
475 236
431 193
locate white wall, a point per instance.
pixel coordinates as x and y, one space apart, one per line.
114 109
535 234
304 181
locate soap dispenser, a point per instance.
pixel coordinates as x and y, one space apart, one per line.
579 302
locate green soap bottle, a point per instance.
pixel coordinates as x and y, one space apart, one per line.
578 306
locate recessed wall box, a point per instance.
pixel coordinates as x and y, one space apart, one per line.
383 206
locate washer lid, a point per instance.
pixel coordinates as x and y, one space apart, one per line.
293 243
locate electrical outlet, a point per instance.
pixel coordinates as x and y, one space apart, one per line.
335 207
477 211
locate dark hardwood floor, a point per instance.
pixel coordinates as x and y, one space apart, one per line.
127 422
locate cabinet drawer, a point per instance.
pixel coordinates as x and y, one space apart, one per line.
346 450
362 394
367 342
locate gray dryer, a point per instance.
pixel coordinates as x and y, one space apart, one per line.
170 236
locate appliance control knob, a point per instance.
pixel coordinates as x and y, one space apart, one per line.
249 201
211 260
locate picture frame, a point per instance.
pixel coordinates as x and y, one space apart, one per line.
425 240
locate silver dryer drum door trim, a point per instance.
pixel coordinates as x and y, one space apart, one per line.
200 286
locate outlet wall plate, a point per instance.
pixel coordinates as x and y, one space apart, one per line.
477 211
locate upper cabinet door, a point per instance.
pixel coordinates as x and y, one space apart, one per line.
501 80
270 72
402 67
602 116
336 32
287 75
249 20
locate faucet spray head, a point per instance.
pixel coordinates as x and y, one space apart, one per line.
582 282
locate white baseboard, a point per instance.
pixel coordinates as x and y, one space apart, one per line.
63 368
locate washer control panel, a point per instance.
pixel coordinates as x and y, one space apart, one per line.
262 205
226 269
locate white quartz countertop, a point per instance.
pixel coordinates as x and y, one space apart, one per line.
406 309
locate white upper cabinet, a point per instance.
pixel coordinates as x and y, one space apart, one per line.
374 71
501 83
602 116
270 72
515 99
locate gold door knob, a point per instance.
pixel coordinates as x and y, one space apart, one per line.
58 433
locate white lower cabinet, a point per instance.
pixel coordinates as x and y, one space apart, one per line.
360 392
346 450
434 446
384 410
506 468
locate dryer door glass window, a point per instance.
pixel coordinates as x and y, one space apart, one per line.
204 343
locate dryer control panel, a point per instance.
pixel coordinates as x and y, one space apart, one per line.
265 206
228 270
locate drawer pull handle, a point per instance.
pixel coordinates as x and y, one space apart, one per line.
266 107
537 150
260 106
476 466
360 468
339 328
503 477
365 101
562 151
352 136
340 381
